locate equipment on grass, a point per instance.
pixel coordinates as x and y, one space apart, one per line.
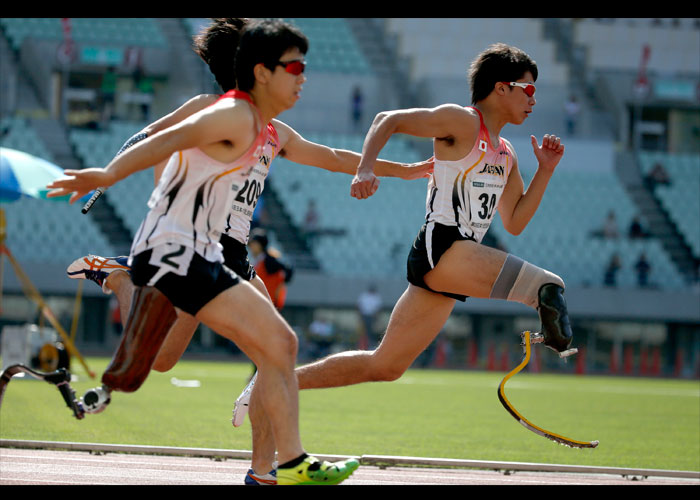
60 378
150 319
527 339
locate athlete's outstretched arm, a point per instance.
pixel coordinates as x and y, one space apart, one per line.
439 122
217 123
296 148
516 207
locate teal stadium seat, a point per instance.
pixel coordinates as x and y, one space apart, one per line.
559 239
332 46
681 199
377 232
143 32
42 230
129 196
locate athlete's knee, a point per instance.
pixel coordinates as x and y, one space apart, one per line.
520 281
282 347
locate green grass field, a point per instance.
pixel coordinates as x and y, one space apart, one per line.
640 422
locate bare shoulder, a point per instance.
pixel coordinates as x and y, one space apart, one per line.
203 99
451 110
460 127
285 133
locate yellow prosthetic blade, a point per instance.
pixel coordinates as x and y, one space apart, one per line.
522 420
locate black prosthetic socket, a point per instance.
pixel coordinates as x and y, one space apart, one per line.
556 327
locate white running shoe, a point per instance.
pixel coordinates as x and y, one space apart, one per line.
240 408
96 268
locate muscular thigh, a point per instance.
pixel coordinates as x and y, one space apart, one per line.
416 320
467 268
246 317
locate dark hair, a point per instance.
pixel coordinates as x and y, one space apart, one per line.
216 44
265 41
232 46
498 63
260 236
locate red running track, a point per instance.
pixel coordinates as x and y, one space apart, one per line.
53 467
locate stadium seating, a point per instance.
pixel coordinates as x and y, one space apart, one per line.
444 47
559 237
19 135
618 45
681 197
375 233
332 47
42 230
143 32
98 148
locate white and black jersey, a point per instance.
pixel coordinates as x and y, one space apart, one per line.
248 192
465 193
461 203
193 198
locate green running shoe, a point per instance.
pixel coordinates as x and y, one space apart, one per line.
313 471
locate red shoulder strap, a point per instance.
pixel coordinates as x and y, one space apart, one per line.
237 94
484 132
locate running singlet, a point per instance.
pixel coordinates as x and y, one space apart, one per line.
465 193
248 192
189 206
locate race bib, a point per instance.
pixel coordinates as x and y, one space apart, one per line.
170 258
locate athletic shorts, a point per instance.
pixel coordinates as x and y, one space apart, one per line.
236 258
200 282
432 241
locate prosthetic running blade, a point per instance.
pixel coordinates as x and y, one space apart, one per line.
60 378
527 340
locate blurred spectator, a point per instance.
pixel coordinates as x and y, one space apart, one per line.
311 222
636 230
144 85
609 229
268 264
571 112
356 109
108 90
643 269
115 316
368 304
657 175
614 265
610 226
321 335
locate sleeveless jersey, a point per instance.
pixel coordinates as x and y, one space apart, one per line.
465 193
248 192
193 197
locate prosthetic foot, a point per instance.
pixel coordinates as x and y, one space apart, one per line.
60 378
556 327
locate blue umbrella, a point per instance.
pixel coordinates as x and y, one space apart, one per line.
26 175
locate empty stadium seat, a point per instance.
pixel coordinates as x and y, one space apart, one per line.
144 32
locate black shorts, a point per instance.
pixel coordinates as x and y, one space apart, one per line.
204 281
236 257
432 241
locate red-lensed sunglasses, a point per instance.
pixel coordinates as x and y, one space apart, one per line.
296 67
528 88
